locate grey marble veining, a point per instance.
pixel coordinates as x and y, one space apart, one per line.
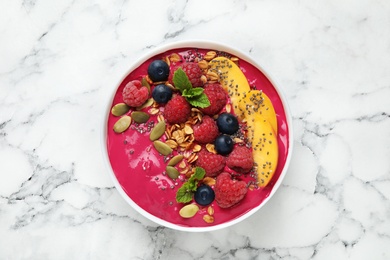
60 60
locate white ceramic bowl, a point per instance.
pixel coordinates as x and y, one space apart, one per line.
201 45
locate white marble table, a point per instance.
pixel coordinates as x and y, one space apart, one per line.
60 59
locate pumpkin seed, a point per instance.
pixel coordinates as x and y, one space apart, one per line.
146 84
162 148
175 160
122 124
157 131
188 211
120 109
172 172
147 103
140 117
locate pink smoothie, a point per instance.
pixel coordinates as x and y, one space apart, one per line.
139 168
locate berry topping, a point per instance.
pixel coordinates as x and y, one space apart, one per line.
228 191
206 131
227 123
223 144
240 159
177 110
134 94
204 195
158 70
213 164
193 72
217 97
162 94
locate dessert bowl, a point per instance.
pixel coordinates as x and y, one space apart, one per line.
138 166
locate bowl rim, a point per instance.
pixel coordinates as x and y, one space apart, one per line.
201 44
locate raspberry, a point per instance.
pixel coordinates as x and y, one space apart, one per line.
240 159
206 131
193 72
212 163
134 94
177 110
229 192
217 97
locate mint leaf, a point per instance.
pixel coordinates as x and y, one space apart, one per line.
192 186
199 101
198 174
185 192
194 96
192 92
186 93
181 81
197 91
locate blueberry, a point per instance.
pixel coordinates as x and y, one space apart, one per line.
227 123
204 195
223 144
158 70
162 93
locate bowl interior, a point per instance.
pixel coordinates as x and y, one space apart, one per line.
136 169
